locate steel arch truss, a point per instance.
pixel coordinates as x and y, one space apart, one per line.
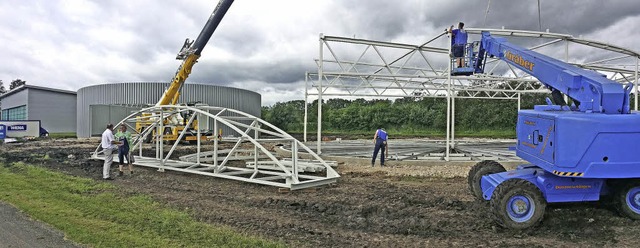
262 165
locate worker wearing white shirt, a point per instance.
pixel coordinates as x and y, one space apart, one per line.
109 145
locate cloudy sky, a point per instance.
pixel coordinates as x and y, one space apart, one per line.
264 46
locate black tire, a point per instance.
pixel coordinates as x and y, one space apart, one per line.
627 199
480 169
511 193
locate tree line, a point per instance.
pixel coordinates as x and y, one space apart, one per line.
14 84
404 116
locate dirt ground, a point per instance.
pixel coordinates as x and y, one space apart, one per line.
379 207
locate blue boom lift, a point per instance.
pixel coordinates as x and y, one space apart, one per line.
576 153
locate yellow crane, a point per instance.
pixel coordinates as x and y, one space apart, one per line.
190 52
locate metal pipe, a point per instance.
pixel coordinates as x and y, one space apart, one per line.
453 120
607 60
320 75
161 139
306 99
294 155
215 142
545 44
255 147
386 44
566 59
449 101
636 86
198 134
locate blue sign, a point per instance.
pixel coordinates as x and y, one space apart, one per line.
3 131
17 128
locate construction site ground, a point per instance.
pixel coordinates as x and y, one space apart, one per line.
426 205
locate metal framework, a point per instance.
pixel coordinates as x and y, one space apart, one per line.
262 166
349 67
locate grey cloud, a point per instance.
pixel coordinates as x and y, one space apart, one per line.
238 71
261 49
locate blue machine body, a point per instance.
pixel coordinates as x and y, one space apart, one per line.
554 188
572 151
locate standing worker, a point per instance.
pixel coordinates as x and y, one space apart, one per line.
124 137
380 139
109 145
458 42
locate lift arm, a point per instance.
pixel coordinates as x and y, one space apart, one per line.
591 90
190 53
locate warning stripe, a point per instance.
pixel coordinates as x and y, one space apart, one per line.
568 174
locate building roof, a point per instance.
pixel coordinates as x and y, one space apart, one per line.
28 86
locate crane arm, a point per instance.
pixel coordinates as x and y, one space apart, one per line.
592 90
191 51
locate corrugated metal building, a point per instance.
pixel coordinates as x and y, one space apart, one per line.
98 105
56 109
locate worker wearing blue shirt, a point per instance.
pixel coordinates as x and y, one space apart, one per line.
380 139
458 42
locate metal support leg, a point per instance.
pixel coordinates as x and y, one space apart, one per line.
215 143
159 140
453 122
294 158
306 99
198 136
636 86
447 145
320 75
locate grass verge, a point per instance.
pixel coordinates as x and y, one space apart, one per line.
92 213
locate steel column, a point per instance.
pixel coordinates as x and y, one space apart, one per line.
636 86
448 143
518 101
320 76
306 99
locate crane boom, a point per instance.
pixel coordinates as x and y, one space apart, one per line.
191 51
591 90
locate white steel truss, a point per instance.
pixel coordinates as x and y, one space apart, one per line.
263 166
349 67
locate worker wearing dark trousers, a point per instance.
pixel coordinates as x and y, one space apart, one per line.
458 43
380 139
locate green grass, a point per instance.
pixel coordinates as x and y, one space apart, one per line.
92 213
63 135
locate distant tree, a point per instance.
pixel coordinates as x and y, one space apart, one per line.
16 83
2 89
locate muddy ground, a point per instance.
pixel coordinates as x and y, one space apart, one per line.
367 208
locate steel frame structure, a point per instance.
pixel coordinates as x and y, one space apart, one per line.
284 173
377 69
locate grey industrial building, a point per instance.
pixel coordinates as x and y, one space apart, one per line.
100 104
55 108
